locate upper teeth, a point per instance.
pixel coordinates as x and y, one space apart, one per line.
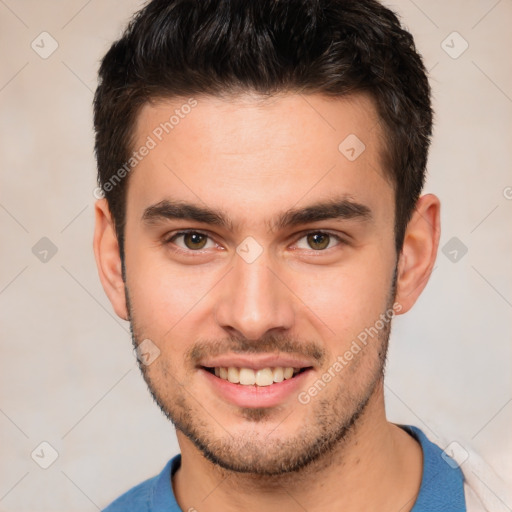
249 377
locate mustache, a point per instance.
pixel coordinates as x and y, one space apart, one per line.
268 344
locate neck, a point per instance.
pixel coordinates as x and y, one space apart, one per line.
377 466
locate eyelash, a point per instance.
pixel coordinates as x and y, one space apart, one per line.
169 240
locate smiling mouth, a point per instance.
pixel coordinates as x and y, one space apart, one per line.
250 377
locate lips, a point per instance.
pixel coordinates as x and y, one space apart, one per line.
256 380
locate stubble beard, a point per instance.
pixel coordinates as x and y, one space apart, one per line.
333 418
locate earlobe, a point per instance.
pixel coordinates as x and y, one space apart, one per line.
419 251
108 259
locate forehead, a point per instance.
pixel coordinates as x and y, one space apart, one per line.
247 156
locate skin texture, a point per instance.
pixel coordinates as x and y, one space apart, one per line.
252 160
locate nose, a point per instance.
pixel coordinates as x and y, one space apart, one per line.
254 300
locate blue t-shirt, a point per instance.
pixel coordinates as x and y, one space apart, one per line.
441 485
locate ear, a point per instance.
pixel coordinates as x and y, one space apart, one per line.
108 259
419 251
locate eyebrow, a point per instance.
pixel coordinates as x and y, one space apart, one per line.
334 209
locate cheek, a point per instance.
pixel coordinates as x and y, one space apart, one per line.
343 301
166 298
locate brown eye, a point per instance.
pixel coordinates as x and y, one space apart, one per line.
192 241
318 240
195 240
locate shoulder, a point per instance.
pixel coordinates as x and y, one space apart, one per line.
454 468
151 494
136 499
442 482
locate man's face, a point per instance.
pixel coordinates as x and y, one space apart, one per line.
261 290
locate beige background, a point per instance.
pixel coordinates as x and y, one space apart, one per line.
67 372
